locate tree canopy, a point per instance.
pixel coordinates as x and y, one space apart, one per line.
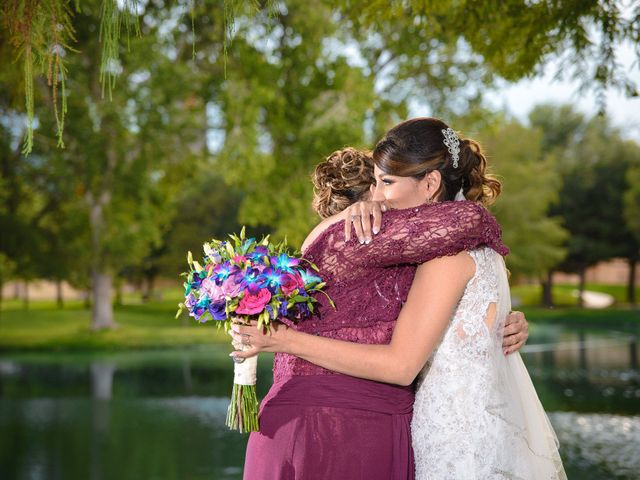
406 45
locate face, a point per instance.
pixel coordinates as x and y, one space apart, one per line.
404 192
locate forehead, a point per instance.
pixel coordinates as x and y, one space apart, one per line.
378 172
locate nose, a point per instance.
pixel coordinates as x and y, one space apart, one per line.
377 194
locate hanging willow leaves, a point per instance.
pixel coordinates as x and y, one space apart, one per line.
115 15
41 33
514 39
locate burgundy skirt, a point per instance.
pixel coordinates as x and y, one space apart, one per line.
332 427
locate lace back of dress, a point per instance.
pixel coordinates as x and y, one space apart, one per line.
470 395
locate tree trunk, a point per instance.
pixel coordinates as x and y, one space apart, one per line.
631 286
547 290
1 297
148 288
118 285
102 308
101 277
25 298
583 280
59 295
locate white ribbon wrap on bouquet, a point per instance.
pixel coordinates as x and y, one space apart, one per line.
245 373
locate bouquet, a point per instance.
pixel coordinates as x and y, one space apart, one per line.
240 280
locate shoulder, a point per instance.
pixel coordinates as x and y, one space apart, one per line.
320 229
462 264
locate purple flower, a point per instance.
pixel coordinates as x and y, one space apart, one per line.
284 262
217 311
212 290
258 254
198 311
309 278
253 280
282 309
273 278
222 271
190 301
303 310
232 286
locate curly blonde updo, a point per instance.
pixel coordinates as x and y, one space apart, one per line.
341 180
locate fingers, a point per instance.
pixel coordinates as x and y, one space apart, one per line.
514 323
347 223
357 224
515 347
365 218
377 218
516 332
242 354
359 214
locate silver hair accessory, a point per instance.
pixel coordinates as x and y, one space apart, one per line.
452 142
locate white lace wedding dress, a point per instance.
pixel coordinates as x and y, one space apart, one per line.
476 413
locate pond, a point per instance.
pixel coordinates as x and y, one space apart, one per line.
160 414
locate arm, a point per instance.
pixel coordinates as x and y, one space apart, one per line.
435 292
417 235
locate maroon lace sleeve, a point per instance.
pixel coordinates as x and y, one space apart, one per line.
420 234
369 283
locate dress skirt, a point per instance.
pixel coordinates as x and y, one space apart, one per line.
332 427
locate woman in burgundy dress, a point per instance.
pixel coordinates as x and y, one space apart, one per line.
315 423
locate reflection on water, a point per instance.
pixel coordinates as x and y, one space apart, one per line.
599 445
160 415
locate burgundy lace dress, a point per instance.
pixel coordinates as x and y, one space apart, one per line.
317 424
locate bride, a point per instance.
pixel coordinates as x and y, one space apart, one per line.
476 414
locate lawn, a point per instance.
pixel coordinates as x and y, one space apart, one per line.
563 295
44 327
153 325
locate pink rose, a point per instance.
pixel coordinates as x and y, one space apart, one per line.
252 304
232 286
211 290
290 282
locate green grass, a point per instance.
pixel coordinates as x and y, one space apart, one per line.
530 295
45 327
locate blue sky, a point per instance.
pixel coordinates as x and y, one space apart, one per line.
521 97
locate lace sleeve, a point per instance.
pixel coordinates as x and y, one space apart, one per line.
420 234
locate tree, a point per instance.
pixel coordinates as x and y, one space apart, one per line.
7 269
591 199
632 218
561 129
124 160
206 209
530 184
513 39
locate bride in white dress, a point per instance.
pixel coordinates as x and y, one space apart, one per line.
476 413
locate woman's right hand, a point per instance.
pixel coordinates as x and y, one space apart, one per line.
359 214
270 339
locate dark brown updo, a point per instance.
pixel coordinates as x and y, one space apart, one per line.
341 180
416 147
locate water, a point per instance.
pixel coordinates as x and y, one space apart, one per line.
160 415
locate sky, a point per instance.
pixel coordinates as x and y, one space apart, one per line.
519 98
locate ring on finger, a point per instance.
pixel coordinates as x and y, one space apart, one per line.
353 217
246 339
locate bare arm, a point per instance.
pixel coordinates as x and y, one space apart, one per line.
435 292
